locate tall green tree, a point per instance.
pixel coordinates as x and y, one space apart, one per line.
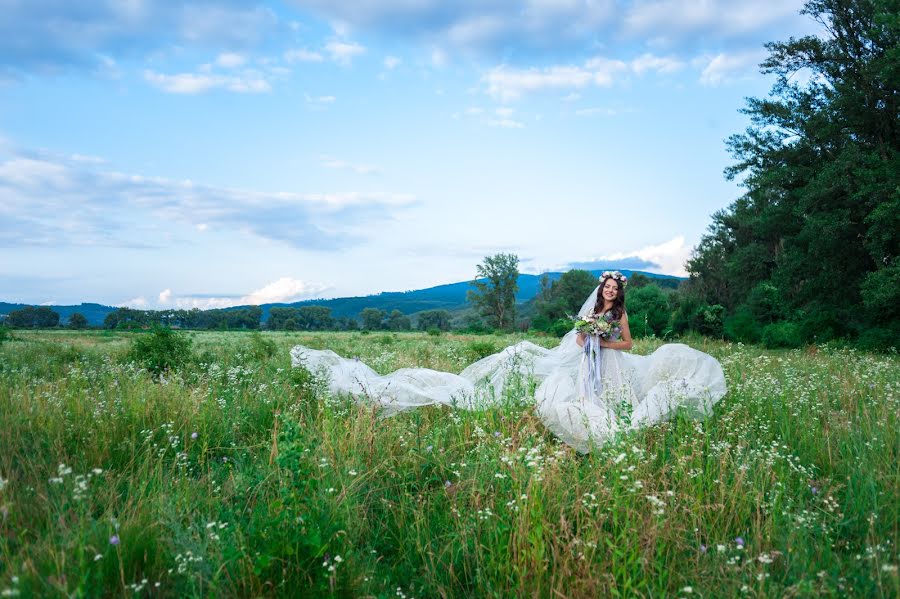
373 319
77 321
434 319
819 224
496 283
563 297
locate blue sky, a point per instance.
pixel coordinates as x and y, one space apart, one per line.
171 154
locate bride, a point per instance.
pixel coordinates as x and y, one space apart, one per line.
589 388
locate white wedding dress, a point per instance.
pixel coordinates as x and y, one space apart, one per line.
634 391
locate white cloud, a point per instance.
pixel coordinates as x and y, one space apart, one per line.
284 290
361 169
230 60
137 303
723 68
302 55
670 256
319 101
197 83
595 110
391 62
505 123
660 64
507 84
343 53
55 201
438 57
715 18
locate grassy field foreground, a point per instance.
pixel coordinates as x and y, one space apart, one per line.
238 478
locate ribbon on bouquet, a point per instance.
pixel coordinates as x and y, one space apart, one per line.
591 380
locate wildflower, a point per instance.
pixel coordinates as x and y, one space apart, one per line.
888 568
194 435
739 542
814 490
702 548
687 590
352 472
98 557
496 433
114 540
447 484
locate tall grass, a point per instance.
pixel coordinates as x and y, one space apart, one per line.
238 477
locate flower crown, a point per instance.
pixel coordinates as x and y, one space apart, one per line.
614 274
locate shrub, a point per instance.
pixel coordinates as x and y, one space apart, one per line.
434 332
561 327
881 339
782 334
820 326
481 349
4 334
260 347
160 350
743 327
648 311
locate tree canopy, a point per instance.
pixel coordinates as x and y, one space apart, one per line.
818 230
496 283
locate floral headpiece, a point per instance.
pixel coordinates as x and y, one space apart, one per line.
614 274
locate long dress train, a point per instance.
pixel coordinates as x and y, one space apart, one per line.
634 391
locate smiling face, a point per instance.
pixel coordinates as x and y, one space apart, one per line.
610 289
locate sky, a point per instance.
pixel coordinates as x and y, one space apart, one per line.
163 154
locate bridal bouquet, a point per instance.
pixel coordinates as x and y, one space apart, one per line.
595 325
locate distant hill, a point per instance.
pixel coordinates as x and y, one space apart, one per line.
443 297
95 313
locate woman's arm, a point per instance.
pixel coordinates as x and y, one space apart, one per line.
625 341
579 339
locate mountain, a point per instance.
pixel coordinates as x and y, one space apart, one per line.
95 313
443 297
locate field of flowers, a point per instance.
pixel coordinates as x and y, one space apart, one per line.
237 477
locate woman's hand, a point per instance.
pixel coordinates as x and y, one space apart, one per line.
580 339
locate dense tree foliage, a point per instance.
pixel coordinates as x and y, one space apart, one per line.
33 317
304 318
496 284
238 318
77 321
434 319
558 300
815 240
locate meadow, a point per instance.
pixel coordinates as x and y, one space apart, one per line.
238 477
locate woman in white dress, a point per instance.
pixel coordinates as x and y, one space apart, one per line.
590 388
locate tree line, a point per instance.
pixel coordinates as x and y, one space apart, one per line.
811 251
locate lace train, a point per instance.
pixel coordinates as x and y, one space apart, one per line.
636 390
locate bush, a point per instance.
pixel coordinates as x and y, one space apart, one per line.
561 327
4 334
260 347
648 311
160 350
480 349
820 326
434 332
782 334
743 327
880 338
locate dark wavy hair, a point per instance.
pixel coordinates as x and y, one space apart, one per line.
618 307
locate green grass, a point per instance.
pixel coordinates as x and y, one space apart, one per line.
286 492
